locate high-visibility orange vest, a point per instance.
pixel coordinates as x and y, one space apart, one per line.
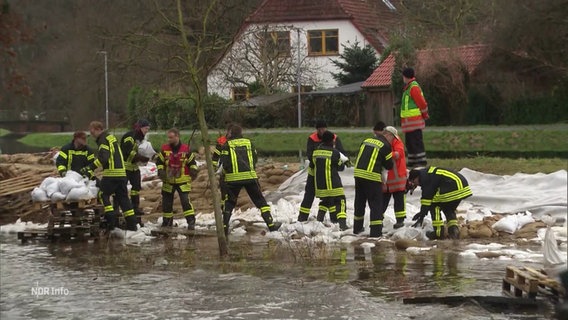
396 179
410 115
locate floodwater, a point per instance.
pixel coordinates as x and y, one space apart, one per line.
185 279
9 144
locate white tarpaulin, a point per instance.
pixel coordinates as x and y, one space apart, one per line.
539 193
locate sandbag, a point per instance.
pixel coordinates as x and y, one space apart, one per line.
145 149
75 176
46 182
52 188
58 196
508 224
39 195
81 193
148 171
409 233
68 183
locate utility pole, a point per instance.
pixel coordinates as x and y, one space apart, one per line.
106 87
299 89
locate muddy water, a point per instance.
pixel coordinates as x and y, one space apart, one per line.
184 279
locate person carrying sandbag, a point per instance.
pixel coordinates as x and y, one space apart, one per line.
114 181
176 168
129 147
75 155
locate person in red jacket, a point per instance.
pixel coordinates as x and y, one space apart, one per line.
413 113
396 180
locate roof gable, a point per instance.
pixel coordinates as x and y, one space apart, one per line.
471 56
373 18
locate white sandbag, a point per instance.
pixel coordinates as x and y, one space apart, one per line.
81 193
145 149
68 183
94 192
524 218
409 233
149 171
39 195
508 224
46 182
58 196
77 177
52 188
554 260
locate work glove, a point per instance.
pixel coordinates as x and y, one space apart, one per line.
86 172
419 218
348 164
162 174
62 173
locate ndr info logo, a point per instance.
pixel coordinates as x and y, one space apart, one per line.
49 291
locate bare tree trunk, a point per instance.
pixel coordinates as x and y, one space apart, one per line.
213 185
192 61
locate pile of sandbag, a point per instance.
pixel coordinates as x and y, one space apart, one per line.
72 187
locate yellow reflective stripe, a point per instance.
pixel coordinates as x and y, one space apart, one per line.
454 195
388 156
341 214
91 157
452 223
372 160
328 183
305 210
400 214
61 168
265 209
62 154
323 208
358 217
239 176
190 212
104 146
97 163
376 223
330 193
109 208
426 202
134 192
410 113
168 214
129 213
452 176
373 176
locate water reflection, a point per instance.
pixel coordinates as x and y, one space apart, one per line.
186 279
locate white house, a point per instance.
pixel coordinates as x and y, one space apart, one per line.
265 52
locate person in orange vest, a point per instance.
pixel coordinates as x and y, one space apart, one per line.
176 168
314 141
397 177
413 113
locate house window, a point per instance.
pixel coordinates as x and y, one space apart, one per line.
240 93
323 42
277 43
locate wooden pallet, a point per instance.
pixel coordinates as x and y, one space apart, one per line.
66 205
519 283
75 233
21 184
529 282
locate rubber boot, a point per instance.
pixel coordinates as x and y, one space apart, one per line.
376 231
321 216
110 221
342 224
139 220
272 226
275 226
167 222
190 222
358 226
302 217
433 236
399 223
226 221
131 223
454 232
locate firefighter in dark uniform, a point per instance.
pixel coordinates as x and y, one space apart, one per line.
314 140
176 168
76 155
442 191
325 164
238 160
114 181
374 156
129 146
215 157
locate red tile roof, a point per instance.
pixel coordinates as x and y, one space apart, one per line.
371 17
471 56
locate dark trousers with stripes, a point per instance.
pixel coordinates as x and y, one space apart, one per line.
449 210
399 203
367 191
415 146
